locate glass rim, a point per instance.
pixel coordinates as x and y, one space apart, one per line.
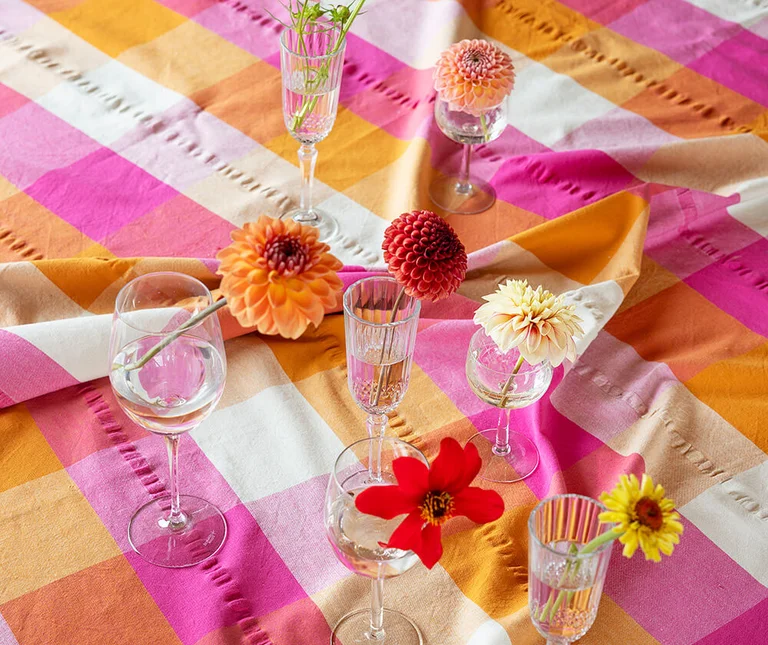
535 368
391 440
388 325
575 556
154 274
293 52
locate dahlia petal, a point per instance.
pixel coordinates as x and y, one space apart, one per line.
472 465
479 505
431 548
407 535
412 475
448 466
386 502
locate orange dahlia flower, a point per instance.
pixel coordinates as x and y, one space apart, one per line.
278 277
473 76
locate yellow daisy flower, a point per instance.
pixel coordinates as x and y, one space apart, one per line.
643 517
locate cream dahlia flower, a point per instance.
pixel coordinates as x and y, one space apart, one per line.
535 321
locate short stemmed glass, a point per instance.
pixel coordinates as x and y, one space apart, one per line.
507 456
380 322
557 528
462 193
312 65
169 395
357 540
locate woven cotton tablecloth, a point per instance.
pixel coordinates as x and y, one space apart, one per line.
136 134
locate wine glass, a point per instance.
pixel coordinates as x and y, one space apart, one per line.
170 394
557 528
507 456
312 65
462 194
357 540
380 322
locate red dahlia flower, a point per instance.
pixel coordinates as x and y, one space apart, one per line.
430 497
425 255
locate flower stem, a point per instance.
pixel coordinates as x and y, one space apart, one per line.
384 373
510 380
484 126
175 334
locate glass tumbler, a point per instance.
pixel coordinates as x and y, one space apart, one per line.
507 456
564 588
312 64
172 393
357 540
380 322
462 193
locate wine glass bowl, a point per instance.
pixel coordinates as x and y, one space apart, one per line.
507 456
565 586
461 193
359 540
169 394
312 64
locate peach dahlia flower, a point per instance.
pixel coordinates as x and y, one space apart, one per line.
535 321
278 277
473 76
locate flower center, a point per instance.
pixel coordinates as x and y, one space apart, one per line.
649 513
287 255
475 62
437 507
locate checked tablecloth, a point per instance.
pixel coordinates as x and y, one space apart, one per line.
136 134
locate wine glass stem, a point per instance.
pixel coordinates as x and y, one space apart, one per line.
463 186
307 161
501 447
376 630
376 424
176 519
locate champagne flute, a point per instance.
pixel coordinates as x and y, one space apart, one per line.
312 64
357 540
169 395
564 586
461 193
497 379
380 322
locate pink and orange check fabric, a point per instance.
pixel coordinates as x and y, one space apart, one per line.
136 134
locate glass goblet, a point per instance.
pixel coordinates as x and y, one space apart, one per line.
461 193
312 64
507 456
557 528
357 540
172 393
380 322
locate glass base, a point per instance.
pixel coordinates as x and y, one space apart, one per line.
480 197
398 629
200 538
327 225
519 463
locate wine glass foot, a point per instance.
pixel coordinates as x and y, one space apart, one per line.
354 629
443 192
200 538
520 462
322 221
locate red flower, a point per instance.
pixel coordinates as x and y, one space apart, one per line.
425 255
430 497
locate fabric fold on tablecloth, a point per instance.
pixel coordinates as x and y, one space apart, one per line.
592 255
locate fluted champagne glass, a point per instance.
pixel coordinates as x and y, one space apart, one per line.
504 381
357 540
463 193
312 63
172 393
380 322
564 586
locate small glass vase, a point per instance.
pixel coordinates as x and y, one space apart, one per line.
462 193
564 587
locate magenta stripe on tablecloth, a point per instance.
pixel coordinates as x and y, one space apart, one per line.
750 627
738 63
603 11
28 372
